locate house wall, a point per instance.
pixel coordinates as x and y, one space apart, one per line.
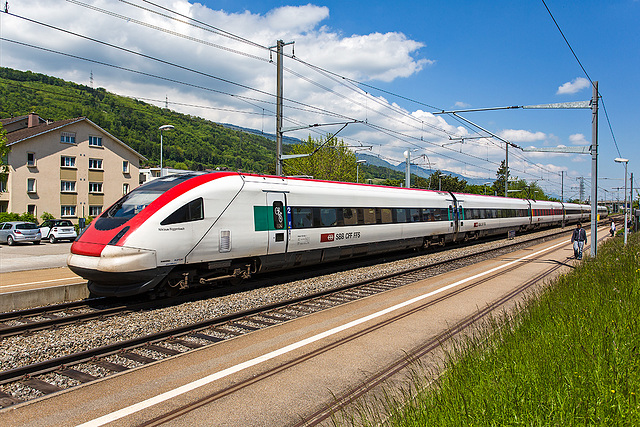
49 173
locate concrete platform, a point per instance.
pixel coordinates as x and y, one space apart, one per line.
35 275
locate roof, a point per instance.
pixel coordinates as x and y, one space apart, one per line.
28 133
10 120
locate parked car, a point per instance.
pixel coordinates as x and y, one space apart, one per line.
19 232
58 229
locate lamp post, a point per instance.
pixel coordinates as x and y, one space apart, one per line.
407 172
440 175
358 169
161 128
625 161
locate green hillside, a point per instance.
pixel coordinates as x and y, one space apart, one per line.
195 143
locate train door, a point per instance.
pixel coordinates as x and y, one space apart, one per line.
278 218
454 223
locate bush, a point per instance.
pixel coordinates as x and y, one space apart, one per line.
45 216
10 216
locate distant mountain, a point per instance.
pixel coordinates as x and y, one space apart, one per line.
272 137
415 169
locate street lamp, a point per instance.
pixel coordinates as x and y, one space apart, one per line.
440 175
625 161
358 169
161 128
485 187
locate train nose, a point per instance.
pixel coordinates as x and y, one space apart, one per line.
111 259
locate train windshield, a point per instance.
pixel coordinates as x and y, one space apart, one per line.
133 203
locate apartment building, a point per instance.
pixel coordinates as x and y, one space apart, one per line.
68 168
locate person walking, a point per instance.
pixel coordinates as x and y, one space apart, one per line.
612 230
579 239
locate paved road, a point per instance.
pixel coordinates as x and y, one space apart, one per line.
33 257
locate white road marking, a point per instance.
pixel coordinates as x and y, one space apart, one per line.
287 349
40 282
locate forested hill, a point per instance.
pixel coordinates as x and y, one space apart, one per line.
195 144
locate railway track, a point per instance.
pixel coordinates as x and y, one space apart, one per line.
58 315
147 349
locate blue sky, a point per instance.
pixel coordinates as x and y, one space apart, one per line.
444 54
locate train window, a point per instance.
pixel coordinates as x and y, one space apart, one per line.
369 215
278 215
192 211
328 217
414 215
385 216
350 216
302 217
400 215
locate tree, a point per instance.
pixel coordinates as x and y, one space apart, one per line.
329 159
499 183
439 181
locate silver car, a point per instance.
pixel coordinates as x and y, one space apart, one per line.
58 229
18 232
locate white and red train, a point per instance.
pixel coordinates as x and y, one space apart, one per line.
183 230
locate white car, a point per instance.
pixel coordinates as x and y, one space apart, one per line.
58 229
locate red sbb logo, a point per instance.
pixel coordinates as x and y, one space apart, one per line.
327 237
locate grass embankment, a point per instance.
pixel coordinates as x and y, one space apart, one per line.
571 357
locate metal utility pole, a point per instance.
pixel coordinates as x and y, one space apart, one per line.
407 172
562 188
280 68
594 170
506 171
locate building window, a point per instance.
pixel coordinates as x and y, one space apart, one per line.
67 211
95 187
95 164
68 137
125 166
95 141
31 185
125 188
67 186
67 162
31 159
31 209
95 211
3 183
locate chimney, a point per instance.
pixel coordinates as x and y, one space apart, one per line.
34 120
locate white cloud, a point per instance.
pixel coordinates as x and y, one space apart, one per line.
578 139
461 104
574 86
519 135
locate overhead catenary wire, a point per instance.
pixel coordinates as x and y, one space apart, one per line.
316 110
234 37
585 73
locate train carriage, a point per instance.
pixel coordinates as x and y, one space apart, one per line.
487 215
183 230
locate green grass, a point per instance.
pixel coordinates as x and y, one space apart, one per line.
570 357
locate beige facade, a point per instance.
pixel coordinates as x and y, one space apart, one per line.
69 168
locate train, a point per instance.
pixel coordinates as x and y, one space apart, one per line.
185 230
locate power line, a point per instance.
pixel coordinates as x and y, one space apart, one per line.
585 73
